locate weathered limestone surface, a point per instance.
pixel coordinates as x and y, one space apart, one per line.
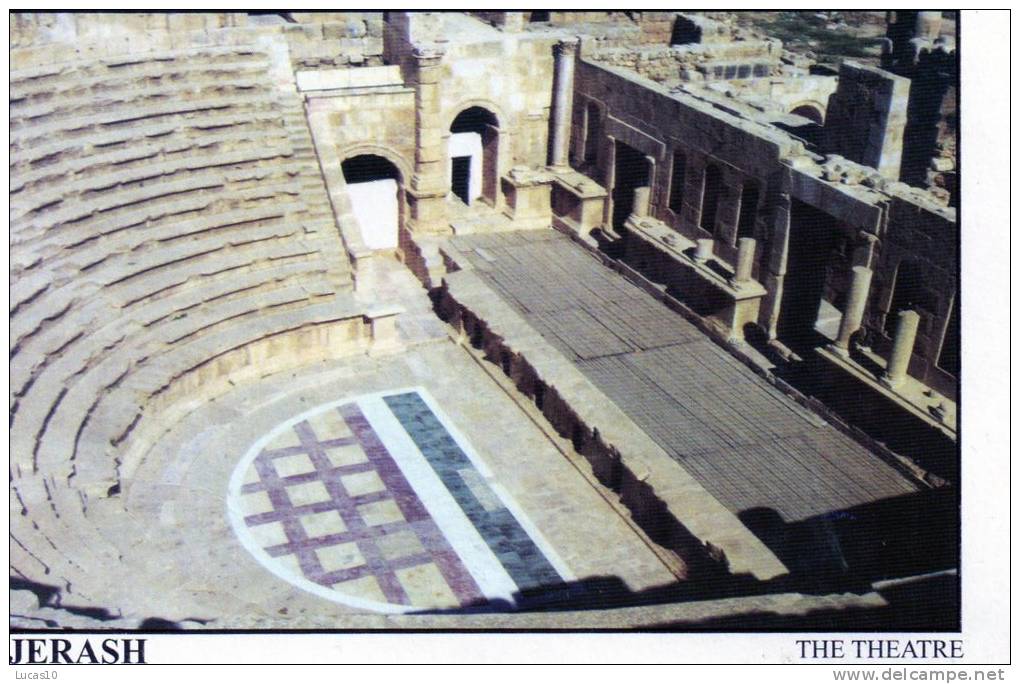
182 253
646 466
866 117
189 248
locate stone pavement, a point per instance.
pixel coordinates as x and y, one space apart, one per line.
746 443
413 482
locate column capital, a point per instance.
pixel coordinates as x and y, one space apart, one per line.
428 55
567 46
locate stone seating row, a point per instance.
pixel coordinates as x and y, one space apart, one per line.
55 528
48 78
161 250
106 186
80 129
46 151
93 300
154 261
68 165
60 549
47 329
24 115
84 229
50 216
77 86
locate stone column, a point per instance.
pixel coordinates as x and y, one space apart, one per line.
428 186
775 265
903 347
856 301
745 260
864 252
563 101
610 166
642 197
704 250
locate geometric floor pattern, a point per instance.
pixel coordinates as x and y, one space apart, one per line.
379 503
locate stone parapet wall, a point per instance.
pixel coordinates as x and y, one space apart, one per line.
697 62
326 40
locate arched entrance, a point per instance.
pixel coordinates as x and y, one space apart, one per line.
375 189
474 155
809 111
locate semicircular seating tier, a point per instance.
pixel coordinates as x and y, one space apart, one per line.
170 234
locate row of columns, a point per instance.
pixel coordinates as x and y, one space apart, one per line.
861 275
562 106
853 316
744 271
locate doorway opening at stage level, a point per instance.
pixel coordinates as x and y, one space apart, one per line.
806 313
375 189
632 170
474 156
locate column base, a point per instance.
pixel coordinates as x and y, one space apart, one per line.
889 383
841 351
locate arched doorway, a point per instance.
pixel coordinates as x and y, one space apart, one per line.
809 111
375 189
474 155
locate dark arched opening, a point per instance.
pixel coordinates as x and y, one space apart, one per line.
676 183
809 112
710 197
375 189
593 132
474 155
684 32
748 209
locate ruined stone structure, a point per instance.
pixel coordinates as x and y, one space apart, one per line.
916 48
320 320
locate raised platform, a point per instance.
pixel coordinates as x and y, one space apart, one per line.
744 440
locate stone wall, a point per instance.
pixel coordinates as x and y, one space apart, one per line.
455 63
660 125
787 94
332 39
511 78
880 220
48 38
925 237
697 62
866 117
371 123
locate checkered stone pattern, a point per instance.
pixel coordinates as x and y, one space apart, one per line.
325 500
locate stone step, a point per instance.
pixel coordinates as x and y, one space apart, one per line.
72 106
74 163
81 128
125 179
